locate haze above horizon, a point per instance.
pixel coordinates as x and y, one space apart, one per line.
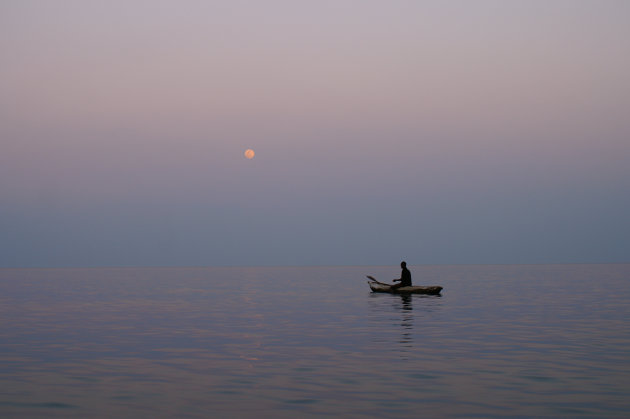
481 132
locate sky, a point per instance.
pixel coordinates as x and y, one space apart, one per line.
436 132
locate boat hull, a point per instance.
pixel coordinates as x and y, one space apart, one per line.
379 287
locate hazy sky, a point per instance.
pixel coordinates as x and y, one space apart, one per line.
430 131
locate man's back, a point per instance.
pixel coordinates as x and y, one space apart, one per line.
405 277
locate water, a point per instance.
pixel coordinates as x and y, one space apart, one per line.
501 341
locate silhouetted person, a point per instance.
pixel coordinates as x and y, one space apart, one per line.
405 277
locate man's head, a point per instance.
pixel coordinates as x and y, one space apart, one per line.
403 264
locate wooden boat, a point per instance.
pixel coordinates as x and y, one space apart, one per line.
376 286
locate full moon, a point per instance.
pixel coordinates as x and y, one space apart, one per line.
249 153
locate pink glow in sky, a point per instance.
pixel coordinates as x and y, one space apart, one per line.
437 132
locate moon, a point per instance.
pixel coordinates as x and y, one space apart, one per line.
249 153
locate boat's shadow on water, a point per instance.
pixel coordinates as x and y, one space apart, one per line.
398 312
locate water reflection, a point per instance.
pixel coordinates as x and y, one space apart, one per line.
393 317
406 324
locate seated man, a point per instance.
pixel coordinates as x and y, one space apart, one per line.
405 277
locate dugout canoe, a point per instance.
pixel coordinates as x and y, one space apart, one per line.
376 286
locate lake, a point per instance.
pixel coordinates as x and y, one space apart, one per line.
501 341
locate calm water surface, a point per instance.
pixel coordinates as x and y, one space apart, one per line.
501 341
